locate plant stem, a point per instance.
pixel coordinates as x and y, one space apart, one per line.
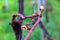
33 27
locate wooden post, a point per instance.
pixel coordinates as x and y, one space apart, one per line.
16 24
19 31
21 7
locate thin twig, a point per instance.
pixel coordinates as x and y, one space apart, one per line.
33 27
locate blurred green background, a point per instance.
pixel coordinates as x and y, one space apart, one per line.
53 27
